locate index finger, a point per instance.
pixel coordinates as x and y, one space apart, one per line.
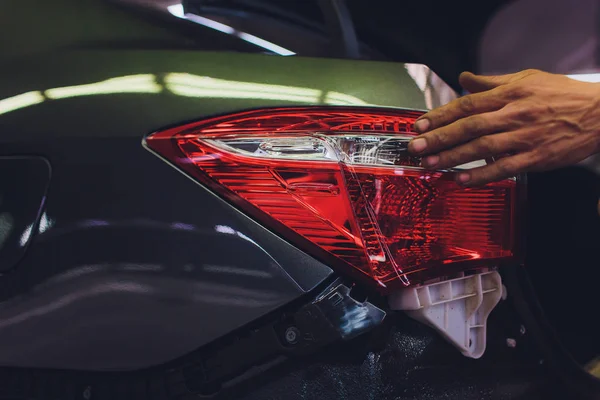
465 106
461 131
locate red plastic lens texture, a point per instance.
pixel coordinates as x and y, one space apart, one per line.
397 224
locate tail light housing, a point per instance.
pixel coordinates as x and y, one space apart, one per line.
339 183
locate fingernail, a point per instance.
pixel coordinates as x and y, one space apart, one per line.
464 177
418 145
422 125
430 161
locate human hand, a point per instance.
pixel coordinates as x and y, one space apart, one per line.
527 121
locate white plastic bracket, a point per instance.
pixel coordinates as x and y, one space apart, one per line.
457 308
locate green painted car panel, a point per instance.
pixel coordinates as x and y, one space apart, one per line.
167 87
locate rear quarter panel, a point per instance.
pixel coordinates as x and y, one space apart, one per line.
131 270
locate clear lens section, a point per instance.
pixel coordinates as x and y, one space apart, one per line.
299 148
350 149
374 150
351 189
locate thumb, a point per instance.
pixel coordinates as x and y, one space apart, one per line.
480 83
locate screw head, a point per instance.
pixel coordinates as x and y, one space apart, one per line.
292 335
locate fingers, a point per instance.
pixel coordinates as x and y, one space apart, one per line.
467 128
489 94
501 169
460 108
476 83
479 149
458 132
480 83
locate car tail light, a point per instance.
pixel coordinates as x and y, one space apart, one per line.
339 183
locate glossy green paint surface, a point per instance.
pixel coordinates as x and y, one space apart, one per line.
146 90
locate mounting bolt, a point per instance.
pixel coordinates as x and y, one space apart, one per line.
292 335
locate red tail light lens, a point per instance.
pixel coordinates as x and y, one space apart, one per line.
339 183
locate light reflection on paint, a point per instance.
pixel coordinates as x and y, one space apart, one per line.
22 100
26 235
230 231
226 269
177 10
183 226
135 223
225 229
94 223
75 273
90 269
6 227
45 223
342 98
188 85
142 267
142 83
203 86
246 238
64 301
